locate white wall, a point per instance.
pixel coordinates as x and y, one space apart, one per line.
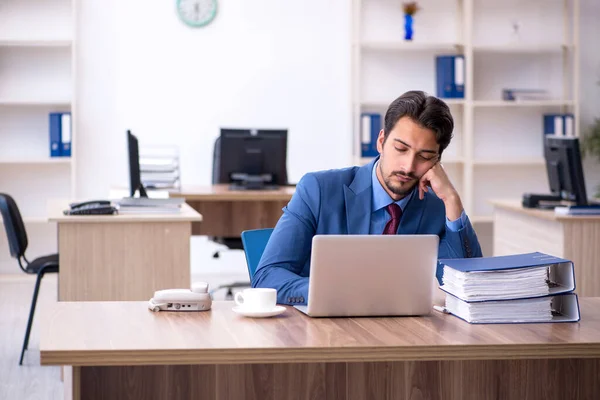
262 63
590 81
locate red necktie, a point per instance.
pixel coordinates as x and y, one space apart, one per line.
392 225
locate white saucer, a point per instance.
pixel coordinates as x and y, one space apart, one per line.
259 313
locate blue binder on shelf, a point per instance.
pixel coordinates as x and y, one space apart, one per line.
554 124
450 76
55 138
559 124
60 134
370 125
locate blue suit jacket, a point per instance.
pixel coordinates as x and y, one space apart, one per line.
339 202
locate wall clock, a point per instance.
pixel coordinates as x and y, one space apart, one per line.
196 13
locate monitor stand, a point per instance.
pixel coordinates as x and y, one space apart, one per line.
246 181
252 186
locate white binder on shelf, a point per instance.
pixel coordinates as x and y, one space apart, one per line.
65 127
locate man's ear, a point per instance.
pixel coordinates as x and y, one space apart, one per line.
380 140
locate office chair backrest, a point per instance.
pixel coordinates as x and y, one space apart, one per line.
216 161
13 223
216 178
255 242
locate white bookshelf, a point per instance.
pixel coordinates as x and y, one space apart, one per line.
518 48
409 46
59 104
523 103
535 161
35 43
37 77
497 149
40 160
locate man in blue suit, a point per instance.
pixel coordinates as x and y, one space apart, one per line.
405 190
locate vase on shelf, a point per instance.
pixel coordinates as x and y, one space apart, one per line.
515 36
408 27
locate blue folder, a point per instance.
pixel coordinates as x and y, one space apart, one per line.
450 76
502 262
370 125
561 271
484 302
554 124
55 134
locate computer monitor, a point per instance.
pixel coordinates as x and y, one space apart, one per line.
253 159
565 172
135 180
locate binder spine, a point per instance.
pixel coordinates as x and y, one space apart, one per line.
370 125
459 77
450 76
569 125
65 125
54 120
559 124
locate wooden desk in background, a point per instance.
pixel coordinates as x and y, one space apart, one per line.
226 213
123 350
121 257
577 238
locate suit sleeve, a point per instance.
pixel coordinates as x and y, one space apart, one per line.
462 243
289 247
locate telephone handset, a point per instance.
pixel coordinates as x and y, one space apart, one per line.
93 207
89 203
196 299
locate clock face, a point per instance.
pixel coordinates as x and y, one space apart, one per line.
197 13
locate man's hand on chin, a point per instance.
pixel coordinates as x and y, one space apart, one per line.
438 180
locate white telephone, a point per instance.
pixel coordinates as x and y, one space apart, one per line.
197 299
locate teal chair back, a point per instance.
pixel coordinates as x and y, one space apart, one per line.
255 242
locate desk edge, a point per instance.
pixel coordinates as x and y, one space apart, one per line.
309 355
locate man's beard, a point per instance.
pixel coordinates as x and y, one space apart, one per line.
400 189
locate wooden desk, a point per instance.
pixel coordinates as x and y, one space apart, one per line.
522 230
123 350
229 212
121 257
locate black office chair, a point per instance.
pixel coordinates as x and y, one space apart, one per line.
232 243
17 242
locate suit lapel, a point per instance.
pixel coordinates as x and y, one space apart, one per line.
358 198
412 215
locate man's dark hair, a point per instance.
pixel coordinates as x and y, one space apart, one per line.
427 111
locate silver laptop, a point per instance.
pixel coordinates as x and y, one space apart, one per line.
371 275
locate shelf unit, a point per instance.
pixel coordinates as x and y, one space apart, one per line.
37 77
497 149
40 160
35 43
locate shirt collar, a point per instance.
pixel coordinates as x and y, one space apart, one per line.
381 198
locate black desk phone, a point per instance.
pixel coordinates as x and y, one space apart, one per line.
94 207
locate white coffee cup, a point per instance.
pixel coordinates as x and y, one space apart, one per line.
257 298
